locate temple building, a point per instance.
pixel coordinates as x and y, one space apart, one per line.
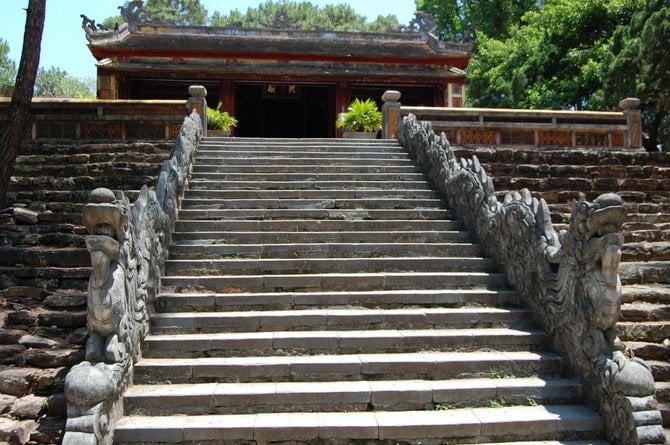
277 81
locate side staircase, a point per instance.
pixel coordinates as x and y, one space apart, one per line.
318 291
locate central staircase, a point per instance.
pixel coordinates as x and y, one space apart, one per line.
318 291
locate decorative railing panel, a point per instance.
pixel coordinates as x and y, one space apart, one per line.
119 120
570 279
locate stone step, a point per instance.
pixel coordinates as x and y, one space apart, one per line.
322 214
322 237
643 311
649 236
201 250
653 251
293 225
207 165
302 157
65 168
333 282
404 366
259 183
95 150
235 302
325 265
308 195
216 344
594 172
324 203
649 331
655 352
308 145
645 272
351 396
44 257
657 293
311 319
321 178
455 426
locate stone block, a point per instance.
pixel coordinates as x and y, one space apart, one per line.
219 429
427 424
29 407
11 354
6 402
53 358
286 427
10 336
357 425
17 381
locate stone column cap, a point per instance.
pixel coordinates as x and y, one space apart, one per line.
197 91
630 103
391 96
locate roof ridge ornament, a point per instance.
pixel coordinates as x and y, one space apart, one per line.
421 23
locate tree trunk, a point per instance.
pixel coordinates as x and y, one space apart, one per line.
23 93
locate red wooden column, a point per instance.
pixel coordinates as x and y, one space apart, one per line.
226 96
342 100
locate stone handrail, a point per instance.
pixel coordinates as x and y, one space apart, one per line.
108 120
537 128
570 280
128 247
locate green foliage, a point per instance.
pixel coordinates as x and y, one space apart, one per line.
304 16
462 19
552 60
532 401
362 115
54 82
7 70
220 120
179 12
112 22
498 403
636 63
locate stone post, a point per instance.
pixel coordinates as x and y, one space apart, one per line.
198 102
631 109
391 113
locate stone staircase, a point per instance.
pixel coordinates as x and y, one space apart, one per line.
318 291
44 271
643 180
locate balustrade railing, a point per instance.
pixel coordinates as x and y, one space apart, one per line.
110 120
537 128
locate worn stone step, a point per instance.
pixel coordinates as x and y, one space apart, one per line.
201 250
456 426
416 365
42 235
260 182
657 293
44 257
67 168
334 281
649 236
95 150
324 203
299 156
216 344
198 302
338 319
366 236
651 351
326 265
114 182
659 368
375 395
321 178
293 225
649 331
206 165
308 195
645 272
322 214
645 251
593 172
342 145
643 311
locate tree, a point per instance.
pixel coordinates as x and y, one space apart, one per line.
551 60
179 12
23 93
463 19
637 63
54 82
7 70
304 16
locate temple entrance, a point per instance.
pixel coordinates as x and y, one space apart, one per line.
285 111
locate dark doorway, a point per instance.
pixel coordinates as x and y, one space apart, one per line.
285 111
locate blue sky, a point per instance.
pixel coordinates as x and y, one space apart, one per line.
64 42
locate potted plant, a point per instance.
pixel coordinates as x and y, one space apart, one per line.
219 123
362 120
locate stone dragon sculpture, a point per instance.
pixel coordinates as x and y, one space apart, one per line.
128 246
570 279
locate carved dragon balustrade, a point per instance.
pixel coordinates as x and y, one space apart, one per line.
570 279
127 245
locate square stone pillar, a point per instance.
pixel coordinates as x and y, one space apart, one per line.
631 109
198 102
390 114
